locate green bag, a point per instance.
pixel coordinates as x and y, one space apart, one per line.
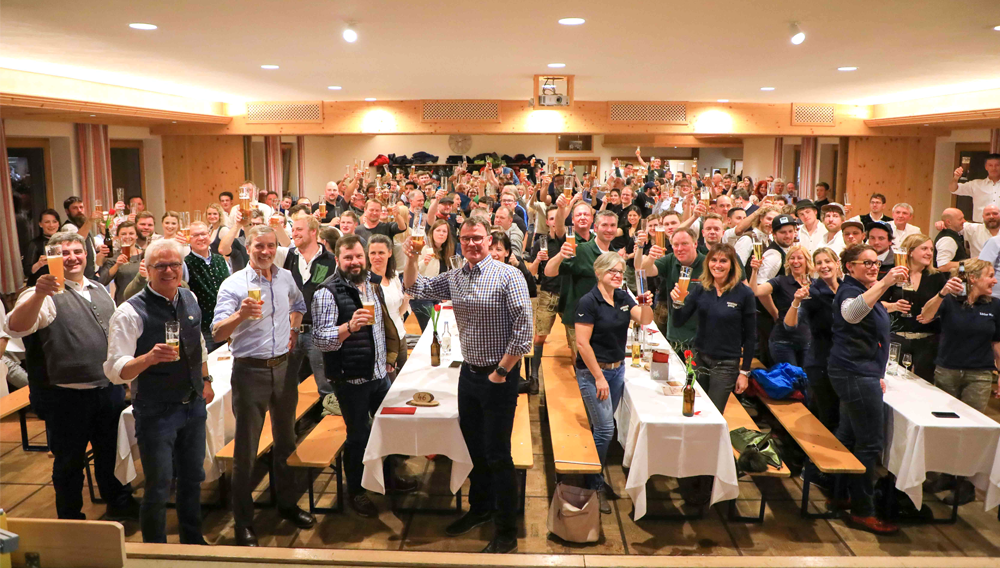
755 448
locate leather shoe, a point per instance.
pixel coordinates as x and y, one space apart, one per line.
871 524
245 536
298 517
127 510
468 522
964 493
533 385
605 504
500 546
403 484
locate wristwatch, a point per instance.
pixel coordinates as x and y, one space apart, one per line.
208 379
501 371
746 373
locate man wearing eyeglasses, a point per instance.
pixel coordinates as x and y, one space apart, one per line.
170 391
494 317
263 333
66 340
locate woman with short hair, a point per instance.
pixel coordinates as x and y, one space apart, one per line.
602 322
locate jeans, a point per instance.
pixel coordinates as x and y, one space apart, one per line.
167 433
486 416
358 403
861 430
971 386
787 352
419 308
304 351
601 412
74 417
717 377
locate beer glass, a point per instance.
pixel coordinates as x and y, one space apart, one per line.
253 289
758 248
173 331
367 302
456 261
571 240
899 255
682 282
894 349
640 285
543 242
54 258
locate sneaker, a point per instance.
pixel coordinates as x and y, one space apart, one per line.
605 504
871 524
468 522
363 506
501 546
127 510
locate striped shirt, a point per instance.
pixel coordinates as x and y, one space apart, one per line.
492 309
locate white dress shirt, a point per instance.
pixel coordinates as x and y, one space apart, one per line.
983 192
125 329
814 240
834 242
946 250
976 235
899 235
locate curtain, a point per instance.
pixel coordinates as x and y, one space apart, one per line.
779 147
300 145
11 275
807 168
95 164
272 157
995 141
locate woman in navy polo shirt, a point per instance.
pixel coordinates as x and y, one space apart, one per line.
602 319
970 346
787 344
856 366
727 324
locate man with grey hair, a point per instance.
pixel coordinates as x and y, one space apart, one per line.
170 390
902 213
263 332
64 325
504 219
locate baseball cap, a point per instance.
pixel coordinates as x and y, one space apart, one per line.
835 207
856 224
880 225
782 220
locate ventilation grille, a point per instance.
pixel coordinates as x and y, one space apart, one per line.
285 112
812 115
461 111
670 113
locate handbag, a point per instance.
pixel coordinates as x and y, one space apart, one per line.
575 514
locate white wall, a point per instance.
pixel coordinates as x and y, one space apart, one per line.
944 167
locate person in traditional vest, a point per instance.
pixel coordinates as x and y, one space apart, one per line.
204 272
263 332
310 265
359 349
170 389
949 243
66 340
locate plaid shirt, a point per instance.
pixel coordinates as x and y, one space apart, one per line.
485 297
326 332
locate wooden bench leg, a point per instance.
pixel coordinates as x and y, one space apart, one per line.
313 473
88 459
523 489
22 417
829 514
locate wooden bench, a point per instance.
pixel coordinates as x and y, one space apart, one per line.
520 444
822 448
573 448
18 402
68 544
308 398
321 449
736 417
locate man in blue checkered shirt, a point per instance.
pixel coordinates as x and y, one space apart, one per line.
493 312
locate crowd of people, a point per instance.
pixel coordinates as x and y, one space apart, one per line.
730 268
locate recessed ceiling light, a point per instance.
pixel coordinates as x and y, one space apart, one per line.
767 88
142 26
847 68
333 88
268 66
173 122
371 99
93 115
722 101
996 28
798 36
557 65
572 21
350 36
927 125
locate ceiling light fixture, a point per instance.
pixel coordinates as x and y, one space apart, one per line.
268 66
333 88
798 36
571 21
847 68
996 28
173 122
722 101
767 88
93 115
138 26
371 99
556 65
350 36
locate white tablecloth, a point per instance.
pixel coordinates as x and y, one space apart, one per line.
430 430
659 440
917 442
220 426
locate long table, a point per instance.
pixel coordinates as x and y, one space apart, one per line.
916 441
659 440
429 430
220 426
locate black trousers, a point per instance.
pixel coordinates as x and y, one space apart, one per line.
923 351
358 404
73 418
486 416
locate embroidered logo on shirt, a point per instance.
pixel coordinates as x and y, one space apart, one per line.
320 275
733 305
624 308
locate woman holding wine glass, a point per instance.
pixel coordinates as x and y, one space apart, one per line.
123 265
625 239
786 344
917 340
439 246
603 317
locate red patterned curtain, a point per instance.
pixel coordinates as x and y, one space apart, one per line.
779 147
94 149
300 149
995 141
272 158
807 168
11 275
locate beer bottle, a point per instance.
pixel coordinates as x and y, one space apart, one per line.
435 351
688 393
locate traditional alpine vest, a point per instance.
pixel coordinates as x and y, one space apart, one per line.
173 381
323 266
205 280
961 254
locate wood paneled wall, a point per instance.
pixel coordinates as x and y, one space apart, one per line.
902 169
197 168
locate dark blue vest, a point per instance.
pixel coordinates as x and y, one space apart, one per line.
356 357
174 381
861 348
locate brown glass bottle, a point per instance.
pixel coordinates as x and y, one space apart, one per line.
688 393
435 351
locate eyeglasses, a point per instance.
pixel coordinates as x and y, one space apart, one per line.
167 265
868 263
472 240
616 272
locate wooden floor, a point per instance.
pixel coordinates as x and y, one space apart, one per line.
26 491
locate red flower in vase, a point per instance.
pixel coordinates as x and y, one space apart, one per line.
687 353
437 307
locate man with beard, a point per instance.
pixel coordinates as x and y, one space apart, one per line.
833 219
359 350
263 332
77 222
145 225
976 235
